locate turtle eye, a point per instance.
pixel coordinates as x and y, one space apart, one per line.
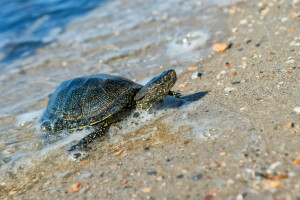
167 77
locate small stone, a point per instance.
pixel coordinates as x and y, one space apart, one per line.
291 61
290 125
124 181
180 176
77 186
234 30
235 82
208 197
297 109
223 153
233 74
273 184
151 173
229 89
227 64
297 161
183 85
192 68
146 190
292 30
213 191
147 148
243 109
219 84
243 21
265 11
220 47
284 19
197 177
169 159
239 197
196 75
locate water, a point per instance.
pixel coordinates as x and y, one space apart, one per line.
27 25
47 43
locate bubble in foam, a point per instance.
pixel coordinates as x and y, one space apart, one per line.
187 43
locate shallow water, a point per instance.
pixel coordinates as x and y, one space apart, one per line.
134 39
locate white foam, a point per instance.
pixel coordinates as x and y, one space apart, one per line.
187 44
28 117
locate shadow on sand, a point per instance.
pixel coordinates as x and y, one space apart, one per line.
170 102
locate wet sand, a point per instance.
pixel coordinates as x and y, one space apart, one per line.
257 79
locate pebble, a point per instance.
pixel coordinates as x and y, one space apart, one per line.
147 148
219 84
229 89
273 184
234 30
297 161
243 21
220 47
243 109
265 11
223 153
169 159
192 68
239 197
197 177
208 197
297 110
151 173
146 190
180 176
196 75
290 125
291 61
76 186
233 74
183 85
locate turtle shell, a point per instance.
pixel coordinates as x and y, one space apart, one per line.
93 97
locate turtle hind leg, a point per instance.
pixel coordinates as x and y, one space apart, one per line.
175 94
100 130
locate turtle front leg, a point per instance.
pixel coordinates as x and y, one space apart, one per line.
175 94
100 130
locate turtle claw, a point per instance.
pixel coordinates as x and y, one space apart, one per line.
175 94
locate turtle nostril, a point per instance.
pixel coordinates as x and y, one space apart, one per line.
46 127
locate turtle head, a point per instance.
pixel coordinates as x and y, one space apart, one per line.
155 90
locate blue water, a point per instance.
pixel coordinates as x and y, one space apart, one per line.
25 24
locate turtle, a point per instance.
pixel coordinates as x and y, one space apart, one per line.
99 100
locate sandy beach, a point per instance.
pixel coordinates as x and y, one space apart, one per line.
251 89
